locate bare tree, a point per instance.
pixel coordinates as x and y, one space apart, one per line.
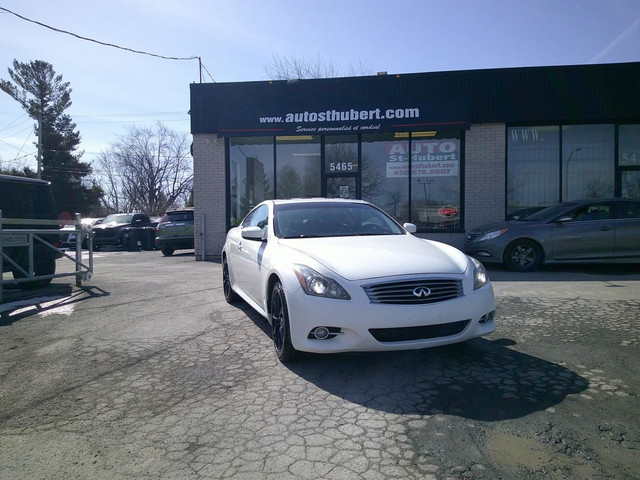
148 169
291 67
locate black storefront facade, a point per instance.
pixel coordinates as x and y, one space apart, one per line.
447 151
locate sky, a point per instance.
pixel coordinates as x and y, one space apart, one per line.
114 89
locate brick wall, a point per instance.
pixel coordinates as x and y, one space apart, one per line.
209 191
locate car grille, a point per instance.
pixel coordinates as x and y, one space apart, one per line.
414 292
406 334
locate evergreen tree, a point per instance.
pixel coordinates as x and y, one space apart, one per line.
45 97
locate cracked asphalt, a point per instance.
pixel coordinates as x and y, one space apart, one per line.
147 373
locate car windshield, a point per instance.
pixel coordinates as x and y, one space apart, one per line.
549 212
324 219
177 217
118 218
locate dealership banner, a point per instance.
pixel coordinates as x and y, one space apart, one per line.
352 119
429 158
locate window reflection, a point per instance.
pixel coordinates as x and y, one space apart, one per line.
533 167
385 179
250 174
587 161
298 172
435 180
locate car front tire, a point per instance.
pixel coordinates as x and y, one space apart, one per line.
523 256
280 329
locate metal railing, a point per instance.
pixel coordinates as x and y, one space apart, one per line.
29 237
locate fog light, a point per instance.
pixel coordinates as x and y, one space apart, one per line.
487 318
321 333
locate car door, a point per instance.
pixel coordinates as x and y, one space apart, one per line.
587 232
247 268
627 241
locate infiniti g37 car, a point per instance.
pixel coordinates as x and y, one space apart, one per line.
594 230
334 275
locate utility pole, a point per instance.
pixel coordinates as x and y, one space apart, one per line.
39 174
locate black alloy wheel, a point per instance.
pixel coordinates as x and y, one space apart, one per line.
523 256
229 295
280 330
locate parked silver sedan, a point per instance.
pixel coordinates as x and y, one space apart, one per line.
593 230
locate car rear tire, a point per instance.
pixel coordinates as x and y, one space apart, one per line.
167 251
280 327
523 256
229 295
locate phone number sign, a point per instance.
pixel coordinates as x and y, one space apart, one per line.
423 169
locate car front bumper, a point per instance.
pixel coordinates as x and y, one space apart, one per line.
486 252
356 318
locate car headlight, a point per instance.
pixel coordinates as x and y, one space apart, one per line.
480 278
318 285
491 235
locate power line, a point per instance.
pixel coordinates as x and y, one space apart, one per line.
97 41
141 52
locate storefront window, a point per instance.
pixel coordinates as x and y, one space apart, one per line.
533 167
587 161
435 180
251 174
298 173
629 146
385 173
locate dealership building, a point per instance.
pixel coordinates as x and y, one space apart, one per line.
447 151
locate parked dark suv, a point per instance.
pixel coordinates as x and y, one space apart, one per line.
28 199
130 231
175 231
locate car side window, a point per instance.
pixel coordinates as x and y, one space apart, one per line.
629 209
593 211
257 218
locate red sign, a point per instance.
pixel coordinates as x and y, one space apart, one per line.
448 211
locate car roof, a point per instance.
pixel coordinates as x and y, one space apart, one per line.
290 201
12 178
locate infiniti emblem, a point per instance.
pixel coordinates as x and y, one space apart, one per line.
421 292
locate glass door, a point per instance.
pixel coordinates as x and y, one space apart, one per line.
341 166
341 187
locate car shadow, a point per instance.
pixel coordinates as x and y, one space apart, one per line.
479 379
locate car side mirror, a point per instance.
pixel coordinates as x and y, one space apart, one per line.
410 227
252 233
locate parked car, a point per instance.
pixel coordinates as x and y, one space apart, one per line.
592 230
175 231
28 199
130 231
337 275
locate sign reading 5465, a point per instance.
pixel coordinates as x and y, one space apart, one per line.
342 167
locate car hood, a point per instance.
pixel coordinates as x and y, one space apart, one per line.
105 226
491 227
362 257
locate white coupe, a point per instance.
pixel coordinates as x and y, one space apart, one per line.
333 275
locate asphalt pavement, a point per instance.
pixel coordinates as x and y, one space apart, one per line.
147 373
